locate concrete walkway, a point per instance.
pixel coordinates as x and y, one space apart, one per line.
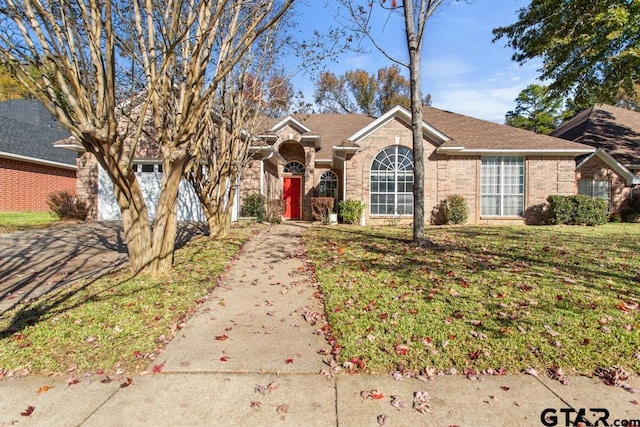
251 357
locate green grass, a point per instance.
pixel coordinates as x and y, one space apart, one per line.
483 297
16 221
116 322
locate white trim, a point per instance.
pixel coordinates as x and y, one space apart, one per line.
514 151
38 161
402 114
289 120
617 167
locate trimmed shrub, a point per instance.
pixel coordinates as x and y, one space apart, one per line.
254 206
321 207
454 210
577 210
350 211
67 206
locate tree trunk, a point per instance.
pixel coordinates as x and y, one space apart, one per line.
416 125
166 223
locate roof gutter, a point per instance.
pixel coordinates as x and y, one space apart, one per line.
38 161
461 150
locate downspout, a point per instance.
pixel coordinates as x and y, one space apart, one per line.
262 171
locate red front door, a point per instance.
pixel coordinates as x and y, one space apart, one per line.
292 197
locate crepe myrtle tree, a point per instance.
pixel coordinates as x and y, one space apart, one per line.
173 54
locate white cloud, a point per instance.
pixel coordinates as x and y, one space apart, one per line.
445 68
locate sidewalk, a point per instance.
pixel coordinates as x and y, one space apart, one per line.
249 358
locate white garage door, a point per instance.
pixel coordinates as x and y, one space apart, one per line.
149 177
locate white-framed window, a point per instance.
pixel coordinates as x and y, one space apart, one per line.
392 182
147 168
502 186
294 167
328 184
595 188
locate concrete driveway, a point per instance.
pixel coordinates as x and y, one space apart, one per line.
37 261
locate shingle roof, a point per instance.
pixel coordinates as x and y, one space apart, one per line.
333 129
614 129
474 133
28 129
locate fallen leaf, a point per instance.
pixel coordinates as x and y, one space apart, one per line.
72 381
382 420
44 388
282 409
635 402
505 388
224 358
255 404
221 337
287 361
28 411
260 389
156 369
531 371
126 383
397 403
106 380
402 349
376 395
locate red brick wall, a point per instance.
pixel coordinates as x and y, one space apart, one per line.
25 186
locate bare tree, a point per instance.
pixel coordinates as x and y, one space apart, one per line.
183 49
415 13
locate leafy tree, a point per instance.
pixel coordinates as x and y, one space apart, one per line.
588 48
536 110
360 92
10 86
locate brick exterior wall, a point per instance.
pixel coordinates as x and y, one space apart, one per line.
596 169
26 186
87 187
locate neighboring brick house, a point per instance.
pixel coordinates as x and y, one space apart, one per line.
613 170
30 166
504 173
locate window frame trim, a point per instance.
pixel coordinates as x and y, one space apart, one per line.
395 177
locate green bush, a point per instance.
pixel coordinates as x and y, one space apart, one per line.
577 210
350 211
67 206
454 210
631 213
254 206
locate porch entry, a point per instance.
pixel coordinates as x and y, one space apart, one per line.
292 189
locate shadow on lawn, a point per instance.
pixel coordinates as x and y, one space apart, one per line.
36 263
525 252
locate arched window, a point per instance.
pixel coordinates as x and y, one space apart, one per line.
329 184
294 167
392 182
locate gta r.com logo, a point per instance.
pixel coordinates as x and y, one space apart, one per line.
582 417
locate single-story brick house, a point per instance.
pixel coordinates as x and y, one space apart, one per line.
613 170
30 167
504 173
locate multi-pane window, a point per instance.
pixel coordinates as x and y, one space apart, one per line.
294 167
392 182
147 168
502 186
594 188
328 184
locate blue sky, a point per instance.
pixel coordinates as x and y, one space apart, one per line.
462 70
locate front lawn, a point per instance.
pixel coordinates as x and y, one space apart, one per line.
481 298
116 323
15 221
